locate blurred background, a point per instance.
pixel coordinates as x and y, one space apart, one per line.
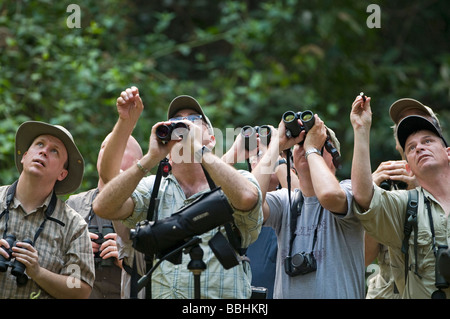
247 62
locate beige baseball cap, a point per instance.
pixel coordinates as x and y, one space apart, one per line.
401 105
187 102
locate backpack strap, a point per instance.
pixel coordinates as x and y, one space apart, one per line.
410 225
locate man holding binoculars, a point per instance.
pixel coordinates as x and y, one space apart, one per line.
57 260
126 196
320 240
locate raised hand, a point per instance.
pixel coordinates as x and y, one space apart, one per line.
129 104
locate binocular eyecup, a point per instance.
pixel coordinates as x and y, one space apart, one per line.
249 134
293 128
164 131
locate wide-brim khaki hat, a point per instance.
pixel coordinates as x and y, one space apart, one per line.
399 106
187 102
27 133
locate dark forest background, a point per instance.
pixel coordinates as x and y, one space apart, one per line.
247 62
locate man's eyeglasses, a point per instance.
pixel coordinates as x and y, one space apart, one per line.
191 118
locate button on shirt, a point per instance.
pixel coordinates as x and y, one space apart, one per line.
384 221
176 281
64 250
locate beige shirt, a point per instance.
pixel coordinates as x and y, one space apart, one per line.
384 221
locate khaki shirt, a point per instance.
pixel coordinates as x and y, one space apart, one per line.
64 250
385 220
107 278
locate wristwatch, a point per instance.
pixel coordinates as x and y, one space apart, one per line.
281 161
312 150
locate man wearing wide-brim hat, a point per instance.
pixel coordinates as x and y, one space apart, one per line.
41 232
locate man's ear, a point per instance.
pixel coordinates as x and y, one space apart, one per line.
212 142
63 175
408 169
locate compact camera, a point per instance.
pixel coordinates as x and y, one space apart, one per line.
300 264
17 268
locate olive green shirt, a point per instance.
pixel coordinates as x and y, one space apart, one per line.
384 220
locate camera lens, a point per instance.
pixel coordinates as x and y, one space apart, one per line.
297 260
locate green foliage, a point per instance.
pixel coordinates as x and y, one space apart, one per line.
247 62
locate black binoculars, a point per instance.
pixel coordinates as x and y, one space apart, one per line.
17 268
106 229
164 131
249 134
389 184
293 128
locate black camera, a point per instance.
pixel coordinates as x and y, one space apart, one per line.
443 262
293 128
17 268
300 264
208 211
106 229
389 184
249 134
164 131
441 281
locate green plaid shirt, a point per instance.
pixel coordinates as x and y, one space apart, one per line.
176 281
64 250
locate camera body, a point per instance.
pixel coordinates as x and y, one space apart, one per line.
441 281
249 134
106 229
164 131
17 268
300 264
293 128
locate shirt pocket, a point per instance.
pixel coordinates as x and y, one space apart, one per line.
425 256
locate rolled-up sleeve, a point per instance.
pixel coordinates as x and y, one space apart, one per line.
385 217
249 222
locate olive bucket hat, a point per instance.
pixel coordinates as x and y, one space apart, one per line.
27 133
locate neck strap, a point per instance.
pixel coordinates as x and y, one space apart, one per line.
47 214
